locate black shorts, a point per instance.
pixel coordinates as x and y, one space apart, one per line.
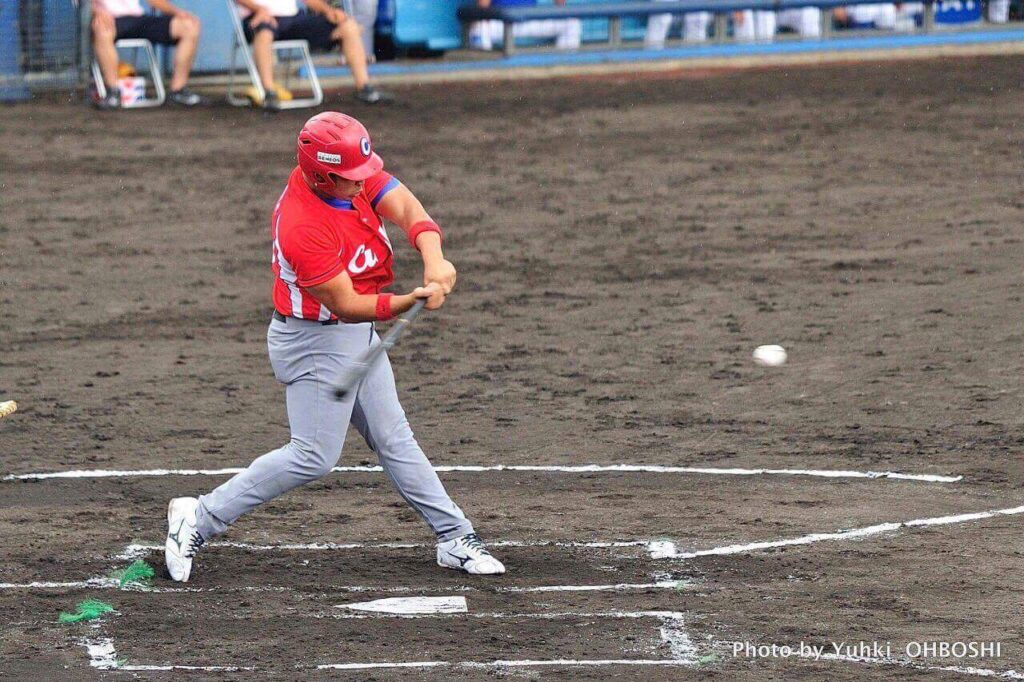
307 26
155 29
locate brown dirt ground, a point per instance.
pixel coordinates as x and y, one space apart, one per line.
622 246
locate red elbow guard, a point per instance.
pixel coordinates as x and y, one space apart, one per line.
383 310
419 228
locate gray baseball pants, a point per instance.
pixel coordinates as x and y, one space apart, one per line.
308 358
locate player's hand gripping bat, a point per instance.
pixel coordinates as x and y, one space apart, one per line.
357 369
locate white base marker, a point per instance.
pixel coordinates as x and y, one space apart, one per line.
411 605
539 468
853 534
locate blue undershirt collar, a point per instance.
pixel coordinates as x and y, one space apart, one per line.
337 203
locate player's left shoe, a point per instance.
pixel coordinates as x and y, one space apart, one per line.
468 553
369 94
183 538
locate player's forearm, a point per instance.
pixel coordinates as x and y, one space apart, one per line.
368 307
429 245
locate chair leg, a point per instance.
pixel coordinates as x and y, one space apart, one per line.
317 96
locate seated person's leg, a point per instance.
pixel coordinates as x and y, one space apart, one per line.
321 34
261 35
104 33
365 14
184 30
349 36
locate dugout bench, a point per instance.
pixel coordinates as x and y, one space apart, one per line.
616 11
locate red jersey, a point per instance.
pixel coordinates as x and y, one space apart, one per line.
315 239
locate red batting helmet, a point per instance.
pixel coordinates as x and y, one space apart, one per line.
333 143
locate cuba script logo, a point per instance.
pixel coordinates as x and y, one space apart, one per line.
384 236
364 146
362 261
324 157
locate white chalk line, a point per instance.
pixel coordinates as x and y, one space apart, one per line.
110 583
561 662
664 550
960 669
653 547
853 534
538 468
103 655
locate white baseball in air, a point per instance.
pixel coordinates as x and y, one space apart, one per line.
770 356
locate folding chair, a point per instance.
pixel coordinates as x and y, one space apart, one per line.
286 48
135 44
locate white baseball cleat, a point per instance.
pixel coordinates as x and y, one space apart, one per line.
183 539
468 553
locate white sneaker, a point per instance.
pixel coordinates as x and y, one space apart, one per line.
183 540
468 553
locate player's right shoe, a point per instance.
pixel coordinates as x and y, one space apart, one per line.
468 553
183 538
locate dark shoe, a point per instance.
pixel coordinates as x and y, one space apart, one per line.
109 103
271 101
185 98
368 94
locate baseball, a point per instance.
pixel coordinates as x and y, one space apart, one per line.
770 356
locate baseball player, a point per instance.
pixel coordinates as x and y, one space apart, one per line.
331 260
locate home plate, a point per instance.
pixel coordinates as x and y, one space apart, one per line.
411 605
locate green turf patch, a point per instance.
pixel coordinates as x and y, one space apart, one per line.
138 574
90 609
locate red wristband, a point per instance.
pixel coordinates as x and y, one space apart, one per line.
383 311
419 228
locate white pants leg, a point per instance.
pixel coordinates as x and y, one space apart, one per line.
883 16
999 11
657 31
695 26
566 32
754 25
806 21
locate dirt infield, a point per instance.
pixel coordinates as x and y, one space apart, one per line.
622 247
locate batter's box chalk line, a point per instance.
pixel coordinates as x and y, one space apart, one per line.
528 468
103 654
661 549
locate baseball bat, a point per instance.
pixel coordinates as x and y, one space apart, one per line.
355 372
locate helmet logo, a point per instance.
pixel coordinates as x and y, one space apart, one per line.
324 157
364 146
